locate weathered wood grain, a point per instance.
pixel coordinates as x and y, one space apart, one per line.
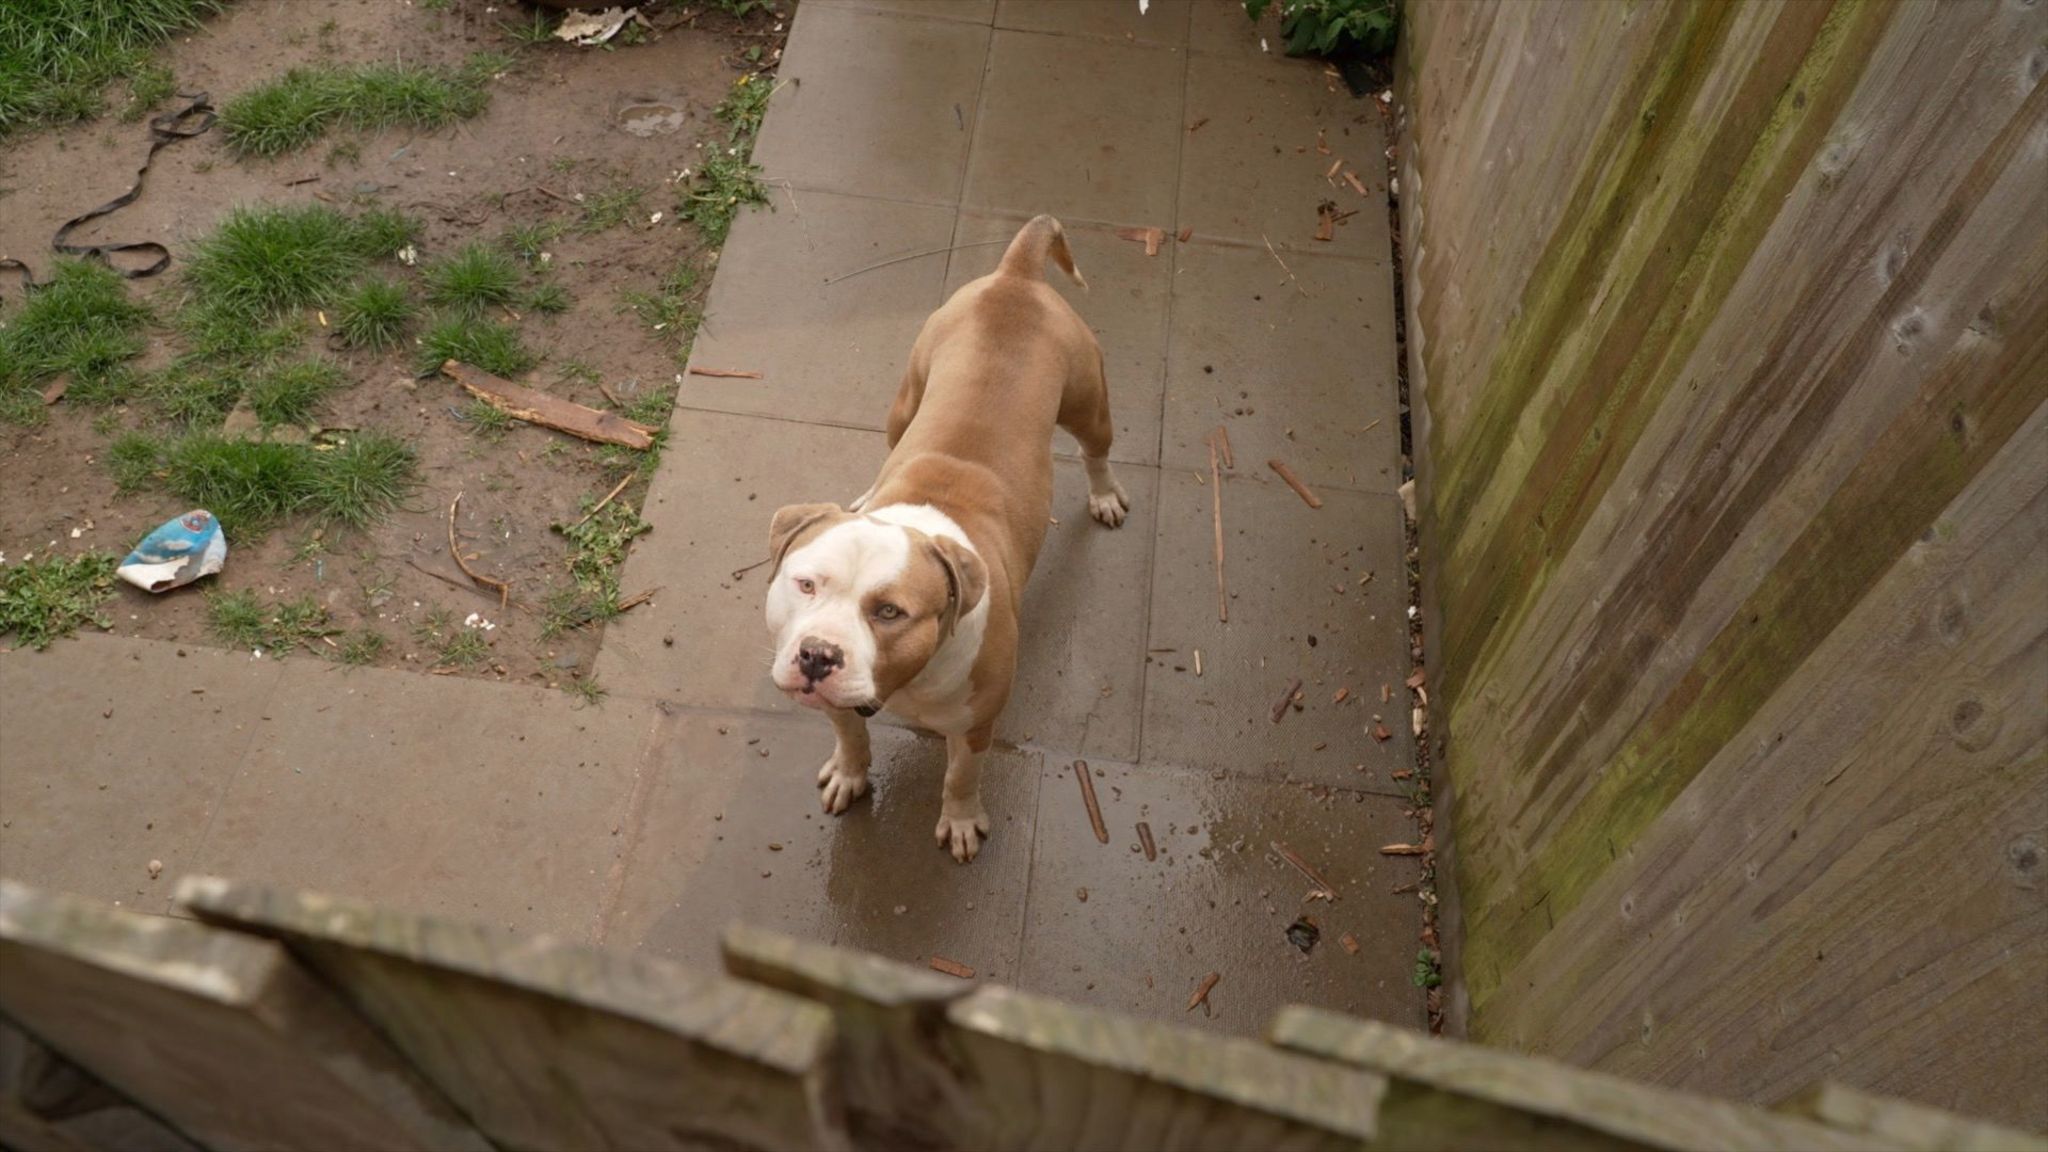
1444 1095
1714 312
221 1035
1909 1125
545 1044
49 1104
932 1063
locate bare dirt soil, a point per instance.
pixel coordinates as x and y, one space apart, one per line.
554 132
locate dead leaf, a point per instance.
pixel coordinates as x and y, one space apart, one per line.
1416 680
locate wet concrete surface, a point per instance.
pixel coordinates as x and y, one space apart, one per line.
687 799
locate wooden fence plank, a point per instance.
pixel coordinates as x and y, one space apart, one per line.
1001 1069
218 1033
547 1045
1910 1125
1453 1096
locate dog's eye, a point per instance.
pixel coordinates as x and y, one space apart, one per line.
807 587
888 612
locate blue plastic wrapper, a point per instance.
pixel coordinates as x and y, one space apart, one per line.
178 552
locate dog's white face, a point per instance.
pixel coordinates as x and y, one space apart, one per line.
859 605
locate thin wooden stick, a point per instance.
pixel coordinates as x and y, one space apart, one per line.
1301 866
637 600
1223 442
1283 266
739 572
911 256
1307 497
727 373
1201 995
1216 499
504 589
1088 798
607 499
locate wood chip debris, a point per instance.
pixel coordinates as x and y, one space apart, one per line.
1281 705
1145 841
1420 677
727 373
1088 798
1334 165
1427 846
1197 125
951 967
1357 185
1216 505
1294 482
1222 435
1201 996
1381 733
1198 661
1324 889
1185 233
1326 221
1342 695
1150 236
1386 693
1323 143
550 411
1349 942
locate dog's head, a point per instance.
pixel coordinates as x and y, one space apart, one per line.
859 605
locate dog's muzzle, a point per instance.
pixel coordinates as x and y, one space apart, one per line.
867 710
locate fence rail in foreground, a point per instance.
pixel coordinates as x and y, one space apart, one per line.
282 1020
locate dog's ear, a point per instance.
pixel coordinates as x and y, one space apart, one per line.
966 580
792 521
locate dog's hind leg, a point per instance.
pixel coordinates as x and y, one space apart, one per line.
1084 413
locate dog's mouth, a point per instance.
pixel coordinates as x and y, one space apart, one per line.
810 696
866 710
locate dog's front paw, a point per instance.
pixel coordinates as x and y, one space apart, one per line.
961 827
841 785
1110 507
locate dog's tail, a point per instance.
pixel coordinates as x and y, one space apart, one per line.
1039 238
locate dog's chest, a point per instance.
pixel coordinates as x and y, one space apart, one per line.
940 706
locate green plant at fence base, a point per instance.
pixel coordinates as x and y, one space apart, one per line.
1429 971
1329 26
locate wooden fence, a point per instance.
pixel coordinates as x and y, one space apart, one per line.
1728 342
268 1020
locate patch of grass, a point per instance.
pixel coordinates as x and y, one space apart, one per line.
672 309
292 393
57 55
744 107
586 689
532 33
148 87
474 278
194 395
491 346
570 608
251 485
528 241
264 260
598 547
346 152
361 647
463 648
650 408
718 190
243 621
136 460
49 598
486 420
218 336
290 112
374 315
82 323
548 297
610 208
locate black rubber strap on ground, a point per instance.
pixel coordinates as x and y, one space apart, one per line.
191 120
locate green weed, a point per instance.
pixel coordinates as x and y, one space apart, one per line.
548 297
486 420
148 87
251 485
725 183
57 55
264 260
42 600
361 647
586 689
474 278
610 208
292 393
286 114
528 241
491 346
374 315
82 323
282 627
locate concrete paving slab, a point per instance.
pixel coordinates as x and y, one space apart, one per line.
1221 27
834 353
113 753
1218 898
1293 376
1163 21
711 503
836 879
1253 172
970 11
1080 662
1125 304
491 803
838 68
1296 610
1088 130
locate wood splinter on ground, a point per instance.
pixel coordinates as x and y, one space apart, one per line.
1088 798
1427 846
1201 996
1349 942
1151 236
951 967
1223 445
1294 482
1287 698
1216 499
1357 185
549 411
1145 841
1324 889
727 373
504 589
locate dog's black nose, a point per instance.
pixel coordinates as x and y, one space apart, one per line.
817 659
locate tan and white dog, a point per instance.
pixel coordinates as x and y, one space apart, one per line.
907 599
